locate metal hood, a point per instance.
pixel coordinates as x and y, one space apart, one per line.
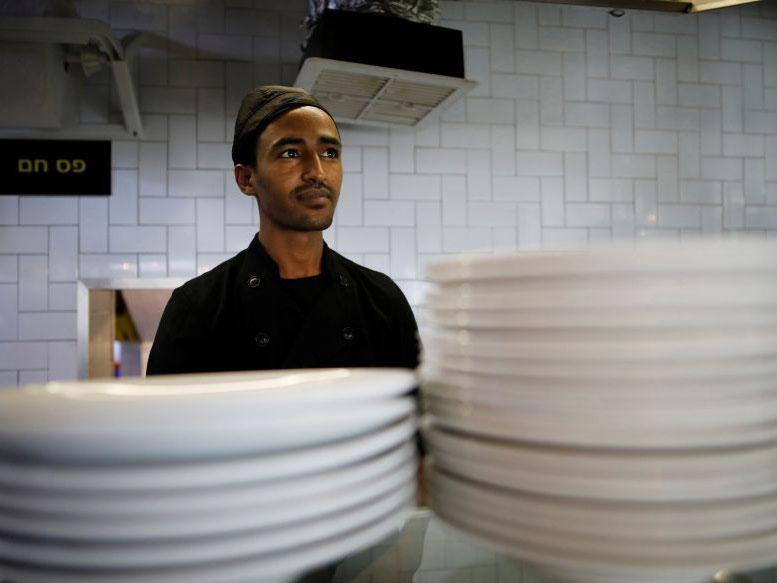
46 53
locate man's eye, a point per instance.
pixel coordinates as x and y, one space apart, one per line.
289 154
332 153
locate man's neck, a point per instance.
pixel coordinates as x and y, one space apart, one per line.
298 254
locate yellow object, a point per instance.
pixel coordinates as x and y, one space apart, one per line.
125 327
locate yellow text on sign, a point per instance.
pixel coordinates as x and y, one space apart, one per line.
37 166
66 166
41 166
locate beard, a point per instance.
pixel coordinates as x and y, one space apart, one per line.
290 213
304 224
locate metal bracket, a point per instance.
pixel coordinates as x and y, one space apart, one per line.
79 31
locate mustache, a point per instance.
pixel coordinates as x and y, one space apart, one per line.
313 190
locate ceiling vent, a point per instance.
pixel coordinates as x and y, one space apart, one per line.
373 69
370 95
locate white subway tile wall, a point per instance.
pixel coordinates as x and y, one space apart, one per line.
584 128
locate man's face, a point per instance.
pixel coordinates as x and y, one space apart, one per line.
298 170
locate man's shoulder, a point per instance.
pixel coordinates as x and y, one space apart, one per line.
203 289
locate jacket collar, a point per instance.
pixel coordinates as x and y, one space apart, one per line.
261 261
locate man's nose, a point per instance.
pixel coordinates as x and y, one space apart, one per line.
314 169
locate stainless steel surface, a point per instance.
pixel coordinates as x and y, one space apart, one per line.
428 550
729 577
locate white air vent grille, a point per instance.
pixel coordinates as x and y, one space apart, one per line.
330 81
395 113
341 107
370 95
421 93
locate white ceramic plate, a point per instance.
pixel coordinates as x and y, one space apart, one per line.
654 293
206 474
503 344
116 506
156 441
283 566
698 257
660 415
495 389
207 398
468 316
648 522
715 474
269 387
202 550
640 430
706 404
164 526
442 362
630 338
669 561
172 418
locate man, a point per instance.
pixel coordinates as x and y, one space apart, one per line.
288 301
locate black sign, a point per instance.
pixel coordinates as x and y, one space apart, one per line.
66 167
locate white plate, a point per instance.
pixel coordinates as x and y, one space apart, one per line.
493 343
673 561
716 474
629 418
631 338
495 389
744 552
284 566
619 418
654 293
207 474
155 441
716 283
648 431
268 387
116 506
163 526
202 550
480 316
206 399
648 522
698 257
650 403
657 370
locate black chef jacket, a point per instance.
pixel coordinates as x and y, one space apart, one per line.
235 317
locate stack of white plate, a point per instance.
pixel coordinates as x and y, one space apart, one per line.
610 414
232 477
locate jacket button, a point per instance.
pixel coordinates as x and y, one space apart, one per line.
262 339
344 281
348 333
254 281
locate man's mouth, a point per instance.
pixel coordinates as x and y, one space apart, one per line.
313 196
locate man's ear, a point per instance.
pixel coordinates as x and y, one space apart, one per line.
244 178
